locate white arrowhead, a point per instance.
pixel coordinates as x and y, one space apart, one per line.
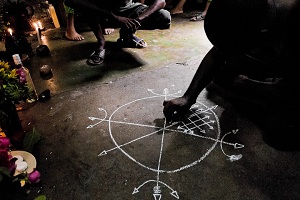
175 194
136 190
157 196
235 157
90 126
102 153
93 118
166 91
238 146
214 106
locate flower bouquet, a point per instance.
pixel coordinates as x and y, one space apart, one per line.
13 85
13 89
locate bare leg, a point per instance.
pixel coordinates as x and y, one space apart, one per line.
203 14
71 33
97 57
206 8
178 8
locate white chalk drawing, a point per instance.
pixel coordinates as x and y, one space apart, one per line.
142 126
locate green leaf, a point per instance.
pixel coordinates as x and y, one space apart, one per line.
4 171
41 197
30 139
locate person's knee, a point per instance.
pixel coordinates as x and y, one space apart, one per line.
165 19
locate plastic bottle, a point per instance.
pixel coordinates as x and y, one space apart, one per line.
29 81
54 16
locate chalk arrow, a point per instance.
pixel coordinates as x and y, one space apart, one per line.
135 190
175 194
179 127
157 196
235 157
96 118
203 131
166 91
102 153
238 146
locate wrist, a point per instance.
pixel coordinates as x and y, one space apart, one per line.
138 19
189 99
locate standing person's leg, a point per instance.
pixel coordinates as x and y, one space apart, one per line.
202 15
178 9
97 57
71 32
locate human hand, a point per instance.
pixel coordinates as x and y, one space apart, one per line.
131 24
176 108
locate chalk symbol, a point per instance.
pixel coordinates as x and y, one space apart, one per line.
199 121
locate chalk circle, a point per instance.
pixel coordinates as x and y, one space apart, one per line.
138 129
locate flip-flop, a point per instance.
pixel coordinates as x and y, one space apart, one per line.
97 58
197 18
134 42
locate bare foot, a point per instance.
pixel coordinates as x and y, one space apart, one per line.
74 36
175 11
108 31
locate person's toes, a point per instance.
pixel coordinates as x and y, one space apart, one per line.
79 38
74 37
175 11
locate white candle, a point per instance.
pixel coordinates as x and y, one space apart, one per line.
37 29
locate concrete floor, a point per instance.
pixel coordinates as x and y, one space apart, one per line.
104 136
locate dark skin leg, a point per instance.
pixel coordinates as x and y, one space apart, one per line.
97 30
206 72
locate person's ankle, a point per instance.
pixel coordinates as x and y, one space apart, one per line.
98 50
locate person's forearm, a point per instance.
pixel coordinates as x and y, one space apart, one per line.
155 6
206 72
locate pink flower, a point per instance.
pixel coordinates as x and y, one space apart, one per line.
34 177
22 76
6 160
4 143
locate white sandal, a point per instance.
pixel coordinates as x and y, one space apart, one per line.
197 18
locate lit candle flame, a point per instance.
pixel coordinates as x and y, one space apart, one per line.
36 26
10 31
40 25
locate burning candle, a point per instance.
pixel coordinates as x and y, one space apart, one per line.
10 31
37 29
40 25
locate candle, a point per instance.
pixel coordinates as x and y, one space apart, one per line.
40 24
10 31
37 29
